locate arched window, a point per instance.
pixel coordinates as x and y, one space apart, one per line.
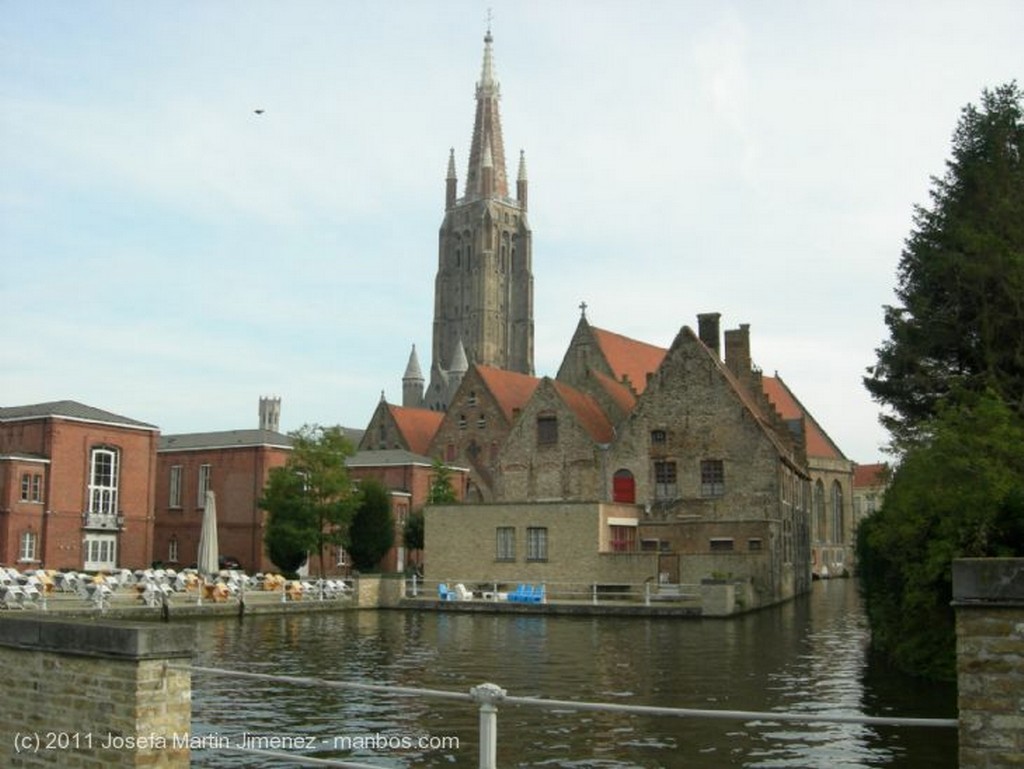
103 481
838 530
623 487
819 512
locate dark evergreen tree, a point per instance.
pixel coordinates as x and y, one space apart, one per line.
959 324
952 377
372 532
310 500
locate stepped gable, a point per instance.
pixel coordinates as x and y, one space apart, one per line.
587 411
819 444
759 408
417 426
629 359
510 390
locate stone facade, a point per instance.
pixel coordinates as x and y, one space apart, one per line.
567 545
76 487
989 598
94 695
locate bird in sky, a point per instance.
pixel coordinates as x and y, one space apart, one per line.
258 111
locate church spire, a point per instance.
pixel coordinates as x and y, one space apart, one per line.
487 131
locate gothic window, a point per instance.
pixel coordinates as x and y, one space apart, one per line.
819 512
103 481
665 480
712 478
838 533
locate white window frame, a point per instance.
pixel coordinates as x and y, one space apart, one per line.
174 500
103 481
28 547
172 550
99 552
205 473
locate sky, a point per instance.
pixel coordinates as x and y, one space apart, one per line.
170 255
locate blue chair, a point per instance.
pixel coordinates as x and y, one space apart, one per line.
444 593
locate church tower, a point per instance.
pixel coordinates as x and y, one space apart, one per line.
483 292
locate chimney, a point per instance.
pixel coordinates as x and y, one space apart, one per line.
270 414
737 351
708 331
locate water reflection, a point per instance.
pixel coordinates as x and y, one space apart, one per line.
809 655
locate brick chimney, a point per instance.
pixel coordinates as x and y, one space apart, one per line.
708 331
737 352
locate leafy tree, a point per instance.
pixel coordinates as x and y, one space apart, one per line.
442 489
412 535
959 324
310 500
959 495
372 532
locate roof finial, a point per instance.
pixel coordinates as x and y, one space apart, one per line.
583 309
490 16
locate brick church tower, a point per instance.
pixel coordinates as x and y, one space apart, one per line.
483 292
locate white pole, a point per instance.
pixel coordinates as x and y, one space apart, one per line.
488 695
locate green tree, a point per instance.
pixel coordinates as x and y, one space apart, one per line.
412 535
442 488
961 494
310 500
372 532
959 324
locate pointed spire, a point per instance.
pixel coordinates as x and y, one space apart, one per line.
412 369
521 176
459 364
451 182
521 183
451 164
487 132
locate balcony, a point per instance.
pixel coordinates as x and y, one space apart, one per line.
103 521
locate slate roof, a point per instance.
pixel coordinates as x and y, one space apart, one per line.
387 457
69 410
418 426
819 444
629 358
223 439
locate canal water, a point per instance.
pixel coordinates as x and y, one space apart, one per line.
809 655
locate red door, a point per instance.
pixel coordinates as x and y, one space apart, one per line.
623 487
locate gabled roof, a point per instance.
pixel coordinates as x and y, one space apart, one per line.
72 410
587 411
509 389
629 358
387 458
621 395
417 426
788 405
223 439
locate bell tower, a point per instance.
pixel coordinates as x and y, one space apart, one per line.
483 292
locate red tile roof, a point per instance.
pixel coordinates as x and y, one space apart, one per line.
867 476
787 404
418 426
588 413
621 395
511 390
629 358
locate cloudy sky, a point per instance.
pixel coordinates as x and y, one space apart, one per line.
170 255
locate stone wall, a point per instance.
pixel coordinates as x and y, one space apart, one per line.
89 695
989 598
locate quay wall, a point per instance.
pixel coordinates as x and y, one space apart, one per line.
988 595
82 695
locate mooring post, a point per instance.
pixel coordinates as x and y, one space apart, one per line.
488 695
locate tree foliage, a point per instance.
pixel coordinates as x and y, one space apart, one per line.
952 376
412 535
442 489
961 495
310 500
372 532
959 324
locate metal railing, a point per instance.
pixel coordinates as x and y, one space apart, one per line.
488 696
648 593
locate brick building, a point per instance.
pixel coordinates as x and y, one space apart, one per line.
76 487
